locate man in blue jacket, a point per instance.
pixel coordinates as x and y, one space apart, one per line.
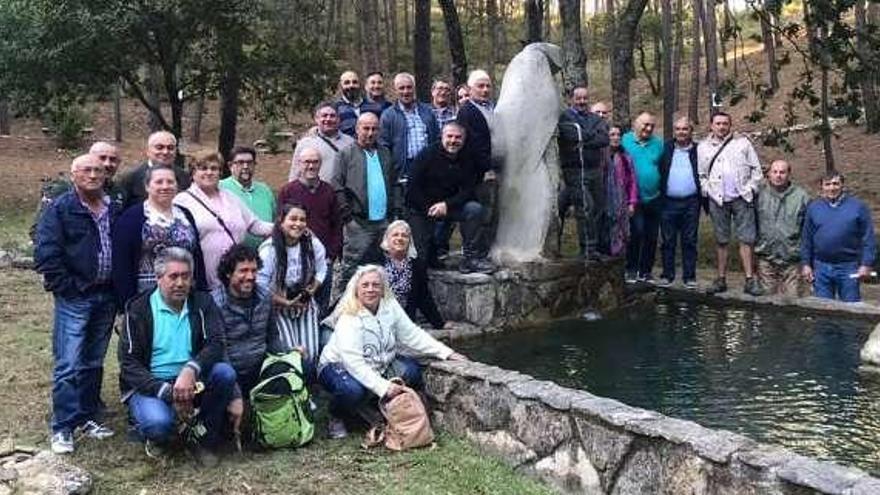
74 256
837 243
408 126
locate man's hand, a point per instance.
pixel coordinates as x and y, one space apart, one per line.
184 391
630 210
864 272
457 357
437 210
235 410
490 176
807 273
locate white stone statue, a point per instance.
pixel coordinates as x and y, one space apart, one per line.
523 140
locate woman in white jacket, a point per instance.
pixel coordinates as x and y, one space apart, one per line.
374 340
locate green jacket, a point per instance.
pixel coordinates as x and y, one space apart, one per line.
780 221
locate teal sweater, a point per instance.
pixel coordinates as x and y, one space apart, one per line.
646 161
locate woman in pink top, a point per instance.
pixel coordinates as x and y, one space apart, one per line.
221 218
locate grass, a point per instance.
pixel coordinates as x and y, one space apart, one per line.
14 224
120 467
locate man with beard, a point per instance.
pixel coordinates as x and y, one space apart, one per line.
351 103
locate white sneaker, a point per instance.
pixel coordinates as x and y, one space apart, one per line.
93 429
62 442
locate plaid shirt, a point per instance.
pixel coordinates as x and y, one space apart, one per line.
417 133
444 115
102 222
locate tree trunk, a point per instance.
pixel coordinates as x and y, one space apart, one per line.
710 40
368 18
668 82
534 19
395 36
868 61
655 90
154 122
816 35
198 112
622 59
724 34
696 48
456 41
548 20
407 32
117 111
422 49
229 90
494 36
678 55
4 117
574 64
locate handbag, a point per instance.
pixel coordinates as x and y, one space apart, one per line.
213 214
407 424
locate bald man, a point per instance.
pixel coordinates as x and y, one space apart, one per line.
364 181
646 149
74 256
319 199
602 109
161 149
351 103
781 209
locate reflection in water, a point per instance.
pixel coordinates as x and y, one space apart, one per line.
777 377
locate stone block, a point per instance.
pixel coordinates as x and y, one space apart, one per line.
502 443
604 446
823 477
541 428
715 445
569 469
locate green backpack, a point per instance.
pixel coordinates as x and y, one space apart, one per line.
280 403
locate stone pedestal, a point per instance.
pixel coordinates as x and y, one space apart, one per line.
528 293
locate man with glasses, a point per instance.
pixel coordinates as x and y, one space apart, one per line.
730 174
108 156
254 194
74 256
646 149
837 243
441 102
326 138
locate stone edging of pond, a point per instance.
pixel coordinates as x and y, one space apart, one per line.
581 443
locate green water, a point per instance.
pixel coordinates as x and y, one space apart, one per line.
777 377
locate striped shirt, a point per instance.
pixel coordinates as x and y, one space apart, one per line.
444 115
417 132
105 252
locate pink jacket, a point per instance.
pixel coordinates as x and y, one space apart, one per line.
625 174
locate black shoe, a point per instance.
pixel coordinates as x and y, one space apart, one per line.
718 285
753 287
476 265
205 457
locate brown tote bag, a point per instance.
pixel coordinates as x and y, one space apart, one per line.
407 420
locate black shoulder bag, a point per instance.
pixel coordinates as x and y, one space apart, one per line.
213 214
709 172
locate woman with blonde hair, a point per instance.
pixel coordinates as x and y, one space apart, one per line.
374 340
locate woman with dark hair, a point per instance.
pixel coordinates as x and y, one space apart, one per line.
294 267
621 194
145 229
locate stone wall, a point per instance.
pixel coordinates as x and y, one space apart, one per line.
528 293
581 443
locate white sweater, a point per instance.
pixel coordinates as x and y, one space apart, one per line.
365 344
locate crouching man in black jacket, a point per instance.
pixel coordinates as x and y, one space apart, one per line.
171 362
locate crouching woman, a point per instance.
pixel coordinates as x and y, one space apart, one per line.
374 340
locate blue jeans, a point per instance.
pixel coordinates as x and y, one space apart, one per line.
832 281
348 393
154 419
79 342
424 230
680 219
642 248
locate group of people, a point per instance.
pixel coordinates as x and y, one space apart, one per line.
210 274
629 189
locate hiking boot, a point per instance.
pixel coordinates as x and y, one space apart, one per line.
691 285
663 282
476 265
62 442
93 429
205 457
336 429
155 450
753 287
718 285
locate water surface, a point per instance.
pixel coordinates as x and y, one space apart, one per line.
777 377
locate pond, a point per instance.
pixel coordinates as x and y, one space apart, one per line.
777 377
